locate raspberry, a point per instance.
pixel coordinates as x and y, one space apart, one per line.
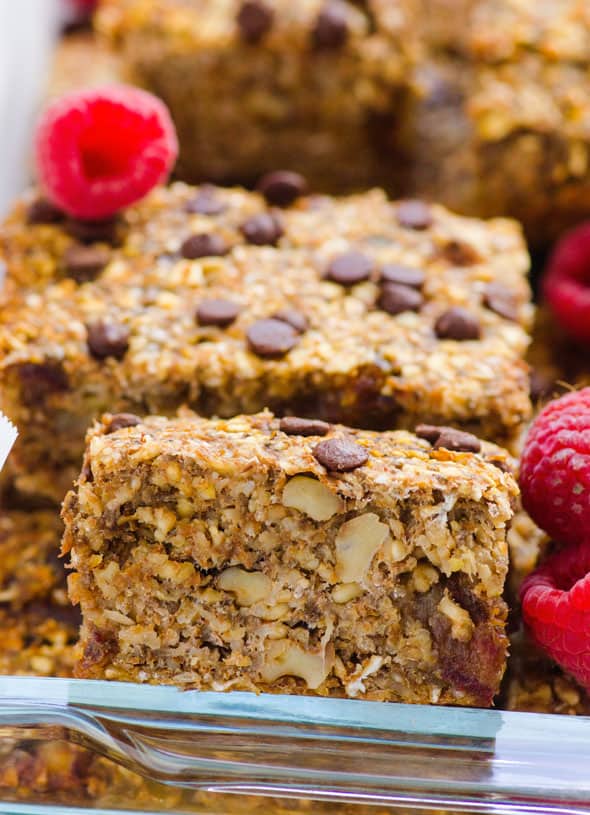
100 150
556 608
555 468
566 284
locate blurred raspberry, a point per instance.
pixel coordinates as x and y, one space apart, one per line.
100 150
566 284
556 608
555 468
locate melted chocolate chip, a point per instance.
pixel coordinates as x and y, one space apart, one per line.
271 338
460 254
449 438
217 312
404 275
203 245
205 202
84 263
107 339
395 299
340 454
104 231
294 426
331 26
38 381
282 188
350 268
457 324
121 420
43 211
430 432
414 214
263 229
295 318
254 20
501 300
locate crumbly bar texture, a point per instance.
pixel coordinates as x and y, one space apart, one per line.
313 80
482 104
134 337
218 554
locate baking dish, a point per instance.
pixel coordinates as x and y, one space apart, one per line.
231 752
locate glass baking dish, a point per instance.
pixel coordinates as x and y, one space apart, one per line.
159 749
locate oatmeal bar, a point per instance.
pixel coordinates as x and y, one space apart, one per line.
356 309
292 556
304 84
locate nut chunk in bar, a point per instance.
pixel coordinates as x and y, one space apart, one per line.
292 556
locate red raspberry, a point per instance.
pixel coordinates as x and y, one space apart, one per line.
101 150
566 284
556 608
555 468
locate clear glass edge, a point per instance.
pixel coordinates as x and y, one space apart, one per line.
527 762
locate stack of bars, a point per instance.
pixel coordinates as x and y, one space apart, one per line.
293 555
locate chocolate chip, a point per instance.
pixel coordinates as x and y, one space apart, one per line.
271 338
340 455
254 20
430 432
405 275
501 300
205 202
104 231
395 298
121 420
457 324
414 214
38 381
331 26
203 245
350 268
502 464
457 440
107 339
460 254
217 312
295 318
84 263
264 229
43 211
282 187
294 426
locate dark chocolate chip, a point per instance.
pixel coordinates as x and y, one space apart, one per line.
205 202
395 298
331 26
340 455
217 312
271 338
457 324
350 268
107 339
84 263
263 229
295 318
38 381
502 464
430 432
43 211
501 300
282 187
294 426
121 420
104 231
203 245
254 20
414 214
460 254
457 440
405 275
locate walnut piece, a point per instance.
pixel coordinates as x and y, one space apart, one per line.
311 497
249 587
286 658
461 623
356 543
